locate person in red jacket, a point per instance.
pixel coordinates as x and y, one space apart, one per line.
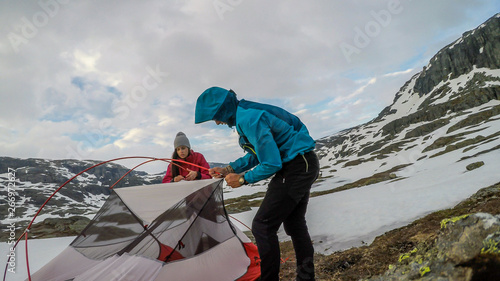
188 172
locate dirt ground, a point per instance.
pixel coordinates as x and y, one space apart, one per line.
368 261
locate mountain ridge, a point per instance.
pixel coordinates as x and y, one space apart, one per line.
445 118
35 179
418 109
416 127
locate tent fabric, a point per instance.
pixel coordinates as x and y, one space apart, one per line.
174 231
112 228
149 205
253 271
68 264
202 267
124 267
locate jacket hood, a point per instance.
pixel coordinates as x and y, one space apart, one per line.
216 104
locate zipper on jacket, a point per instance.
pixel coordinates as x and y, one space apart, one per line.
249 148
307 163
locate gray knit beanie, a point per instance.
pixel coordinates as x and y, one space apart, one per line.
181 139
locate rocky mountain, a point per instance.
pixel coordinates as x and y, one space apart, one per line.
34 180
442 131
451 105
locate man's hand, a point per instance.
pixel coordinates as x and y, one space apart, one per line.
233 180
217 172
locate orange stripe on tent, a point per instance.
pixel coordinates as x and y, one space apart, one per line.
165 251
253 272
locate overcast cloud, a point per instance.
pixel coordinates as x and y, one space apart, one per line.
106 79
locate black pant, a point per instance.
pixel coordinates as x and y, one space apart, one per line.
286 202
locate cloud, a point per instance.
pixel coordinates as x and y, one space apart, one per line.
85 62
348 98
101 80
397 73
132 137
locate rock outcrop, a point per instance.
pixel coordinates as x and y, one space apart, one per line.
450 105
467 248
461 56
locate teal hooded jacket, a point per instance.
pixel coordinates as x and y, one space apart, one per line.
270 135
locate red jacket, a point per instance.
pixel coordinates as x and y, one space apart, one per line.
195 158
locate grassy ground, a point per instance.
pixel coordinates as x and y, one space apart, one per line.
367 261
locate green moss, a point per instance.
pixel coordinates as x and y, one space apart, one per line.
490 246
423 270
407 255
453 220
419 259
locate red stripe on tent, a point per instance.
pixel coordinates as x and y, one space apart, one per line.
253 272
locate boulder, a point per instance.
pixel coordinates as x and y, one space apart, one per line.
467 248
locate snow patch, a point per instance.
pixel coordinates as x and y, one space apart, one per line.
488 219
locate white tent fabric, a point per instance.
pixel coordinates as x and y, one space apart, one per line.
149 201
124 267
203 267
184 235
74 264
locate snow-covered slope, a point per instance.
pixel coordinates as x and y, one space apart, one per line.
414 157
438 143
29 182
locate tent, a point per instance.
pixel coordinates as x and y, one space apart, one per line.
175 231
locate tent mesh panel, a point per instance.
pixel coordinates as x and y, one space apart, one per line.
113 228
190 227
194 225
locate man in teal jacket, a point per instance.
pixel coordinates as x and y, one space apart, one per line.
277 143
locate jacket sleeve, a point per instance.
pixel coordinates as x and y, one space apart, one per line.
258 130
168 175
245 163
202 162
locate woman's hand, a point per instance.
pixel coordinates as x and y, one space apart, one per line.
178 178
191 176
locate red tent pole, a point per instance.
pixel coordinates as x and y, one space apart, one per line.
152 160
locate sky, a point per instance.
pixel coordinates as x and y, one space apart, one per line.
107 79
